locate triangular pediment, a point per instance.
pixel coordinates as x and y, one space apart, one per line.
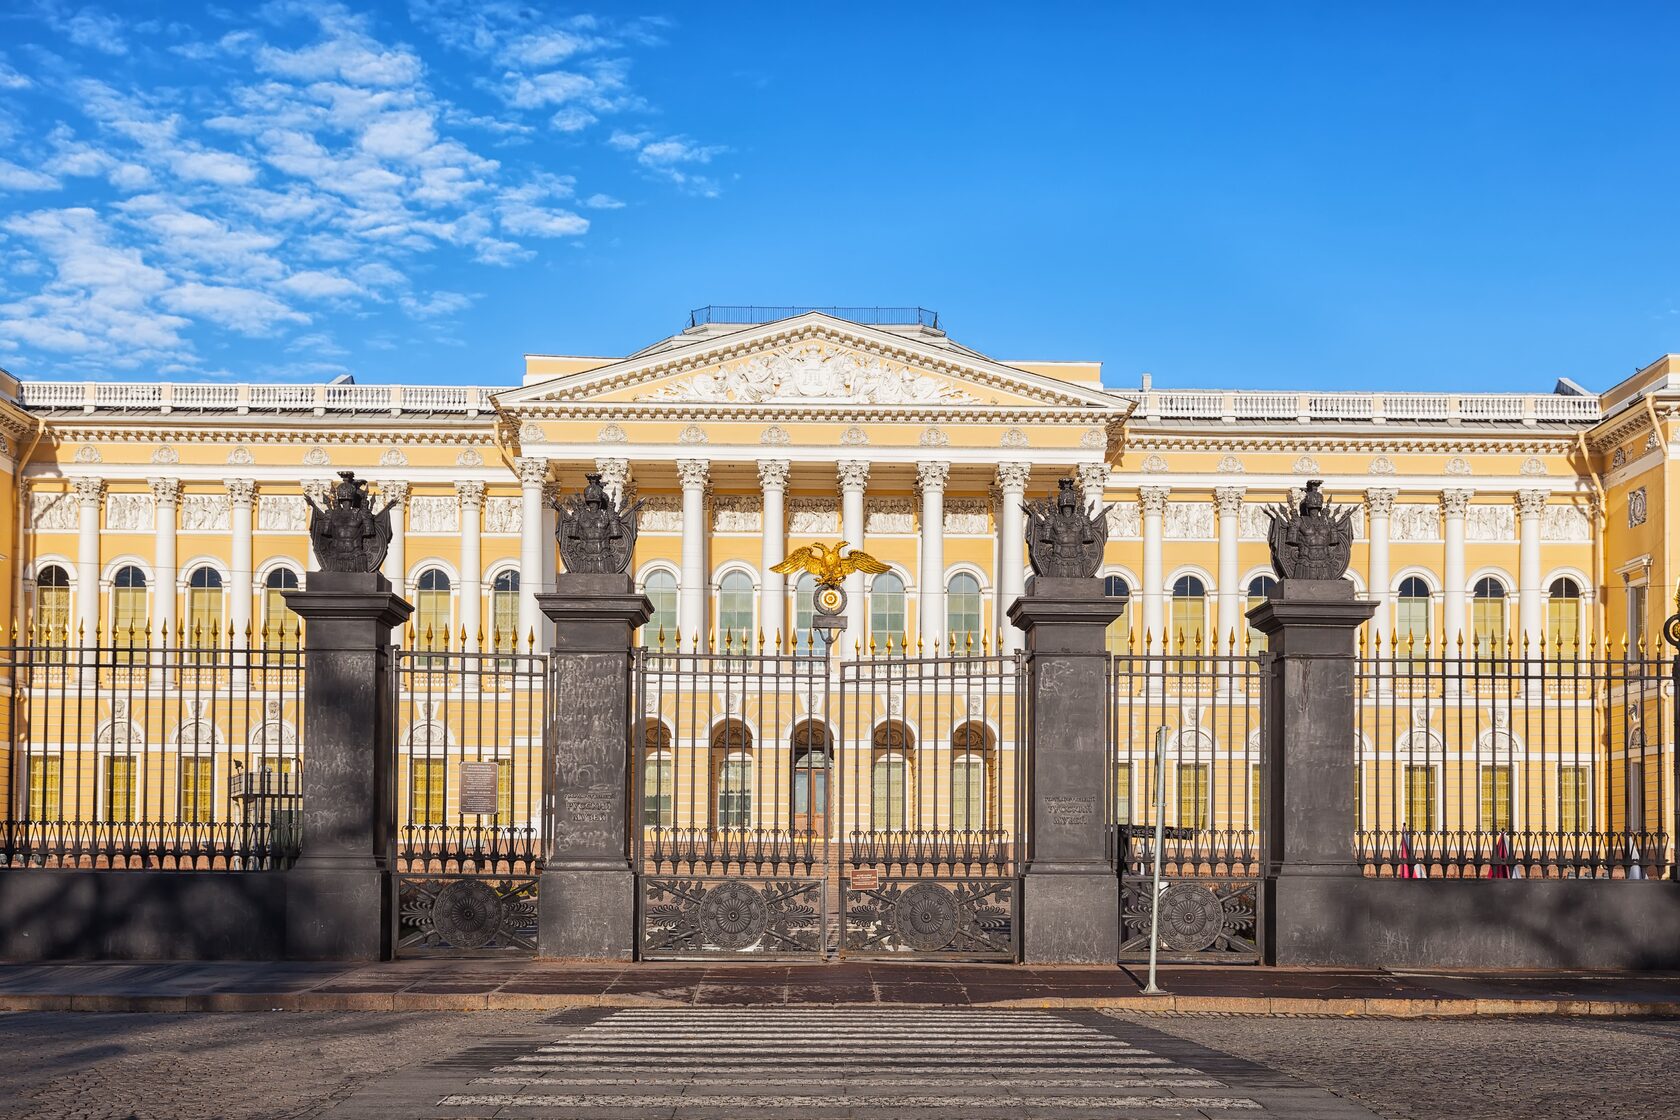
811 361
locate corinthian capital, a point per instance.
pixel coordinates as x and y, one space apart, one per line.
1229 500
241 491
933 476
854 474
471 493
1379 500
533 470
615 475
773 474
392 490
1012 478
1532 503
1456 503
1093 479
1153 499
89 490
165 491
693 472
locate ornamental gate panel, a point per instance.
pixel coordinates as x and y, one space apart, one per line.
467 792
1212 710
791 805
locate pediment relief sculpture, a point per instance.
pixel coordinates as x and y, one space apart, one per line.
812 372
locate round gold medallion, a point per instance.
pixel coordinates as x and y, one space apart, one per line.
830 599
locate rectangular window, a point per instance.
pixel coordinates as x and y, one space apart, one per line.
198 789
1574 799
1420 798
659 780
1193 795
204 616
53 615
280 622
426 791
1123 793
1411 626
887 795
1496 798
119 788
431 620
504 621
1636 617
46 788
128 622
1189 620
968 792
1563 625
1487 620
734 798
504 792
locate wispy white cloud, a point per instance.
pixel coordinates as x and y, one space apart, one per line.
15 178
668 157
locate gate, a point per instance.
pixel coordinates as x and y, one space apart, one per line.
1212 709
787 805
467 791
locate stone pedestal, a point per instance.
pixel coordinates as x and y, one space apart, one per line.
1070 892
338 897
587 897
1311 628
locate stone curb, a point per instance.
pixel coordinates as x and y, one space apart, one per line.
1167 1004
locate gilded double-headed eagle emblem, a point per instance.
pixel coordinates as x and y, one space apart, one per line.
830 566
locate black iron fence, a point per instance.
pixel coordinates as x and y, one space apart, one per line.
161 756
1493 764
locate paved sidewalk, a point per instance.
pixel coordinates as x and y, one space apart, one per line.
525 985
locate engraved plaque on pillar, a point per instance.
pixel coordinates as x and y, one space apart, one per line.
478 788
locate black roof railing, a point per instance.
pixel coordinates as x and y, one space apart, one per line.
868 316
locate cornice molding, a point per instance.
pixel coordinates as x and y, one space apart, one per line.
1442 444
101 433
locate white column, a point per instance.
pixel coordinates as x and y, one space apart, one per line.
396 557
1379 504
691 589
1012 544
471 496
242 496
854 476
931 578
1228 500
166 494
90 492
1153 501
773 480
533 472
1531 597
615 476
1454 505
548 557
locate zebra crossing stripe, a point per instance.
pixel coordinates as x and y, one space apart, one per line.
682 1100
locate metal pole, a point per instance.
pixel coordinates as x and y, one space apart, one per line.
1160 835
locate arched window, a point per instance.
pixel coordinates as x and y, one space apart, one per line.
1118 634
1487 617
886 611
204 606
812 756
804 609
1563 616
1411 617
732 748
736 601
889 777
280 623
504 611
962 609
431 610
1258 588
659 777
52 605
1188 627
128 605
661 590
970 747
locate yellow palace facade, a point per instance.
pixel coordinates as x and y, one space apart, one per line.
1483 521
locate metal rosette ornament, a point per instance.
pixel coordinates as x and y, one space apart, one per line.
1671 628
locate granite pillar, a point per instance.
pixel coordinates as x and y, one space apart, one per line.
1070 894
587 897
339 893
1311 629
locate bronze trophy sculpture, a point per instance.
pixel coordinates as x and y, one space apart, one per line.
348 536
1314 542
593 535
1064 539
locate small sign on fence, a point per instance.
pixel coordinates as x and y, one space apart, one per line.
478 787
864 879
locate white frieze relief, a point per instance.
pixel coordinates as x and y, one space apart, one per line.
1014 437
967 516
501 515
1125 521
130 512
469 458
1415 523
1490 523
1093 439
434 513
612 433
1533 468
1252 522
661 513
1230 464
889 515
166 456
206 512
1188 521
1382 464
51 512
812 371
737 513
87 453
240 457
775 436
316 457
282 512
531 432
1565 523
813 516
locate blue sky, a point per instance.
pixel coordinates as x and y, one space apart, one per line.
1461 196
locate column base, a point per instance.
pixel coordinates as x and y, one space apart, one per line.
338 914
1070 918
587 914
